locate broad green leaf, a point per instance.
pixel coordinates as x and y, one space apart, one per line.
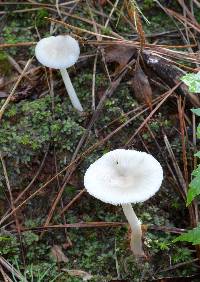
197 154
196 171
194 187
192 80
196 111
198 131
192 236
4 238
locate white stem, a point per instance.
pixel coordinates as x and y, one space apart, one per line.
136 234
70 89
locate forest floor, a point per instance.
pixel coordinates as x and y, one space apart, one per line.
128 81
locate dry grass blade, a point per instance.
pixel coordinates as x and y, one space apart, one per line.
33 3
20 44
34 178
4 275
111 12
11 269
80 29
180 177
77 197
12 203
17 67
135 16
30 184
167 94
102 224
3 108
183 138
181 264
182 19
78 225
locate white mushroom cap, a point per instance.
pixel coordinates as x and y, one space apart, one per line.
124 176
57 52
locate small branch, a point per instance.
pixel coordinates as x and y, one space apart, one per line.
179 265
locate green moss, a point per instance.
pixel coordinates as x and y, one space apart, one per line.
5 67
148 4
40 18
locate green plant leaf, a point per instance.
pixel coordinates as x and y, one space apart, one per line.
192 80
194 187
192 236
197 154
196 171
196 111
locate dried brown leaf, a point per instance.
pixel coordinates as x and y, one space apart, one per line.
102 2
58 254
120 55
141 86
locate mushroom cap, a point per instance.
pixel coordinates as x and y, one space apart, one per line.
57 52
124 176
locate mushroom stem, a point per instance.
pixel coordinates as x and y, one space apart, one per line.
70 89
136 235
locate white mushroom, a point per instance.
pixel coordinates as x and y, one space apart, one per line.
125 177
60 52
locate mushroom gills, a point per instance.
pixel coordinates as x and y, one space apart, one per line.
136 231
70 89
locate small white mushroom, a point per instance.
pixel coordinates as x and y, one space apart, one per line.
60 52
125 177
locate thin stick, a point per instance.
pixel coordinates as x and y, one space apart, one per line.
111 13
81 29
2 110
103 224
19 44
182 129
77 197
11 269
181 264
12 205
168 93
5 276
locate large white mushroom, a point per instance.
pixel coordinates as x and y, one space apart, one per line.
60 52
124 177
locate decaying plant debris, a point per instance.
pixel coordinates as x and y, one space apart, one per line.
128 79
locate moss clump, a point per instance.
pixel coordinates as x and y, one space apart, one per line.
28 128
5 67
40 18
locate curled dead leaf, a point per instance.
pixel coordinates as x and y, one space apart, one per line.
120 55
141 86
58 254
